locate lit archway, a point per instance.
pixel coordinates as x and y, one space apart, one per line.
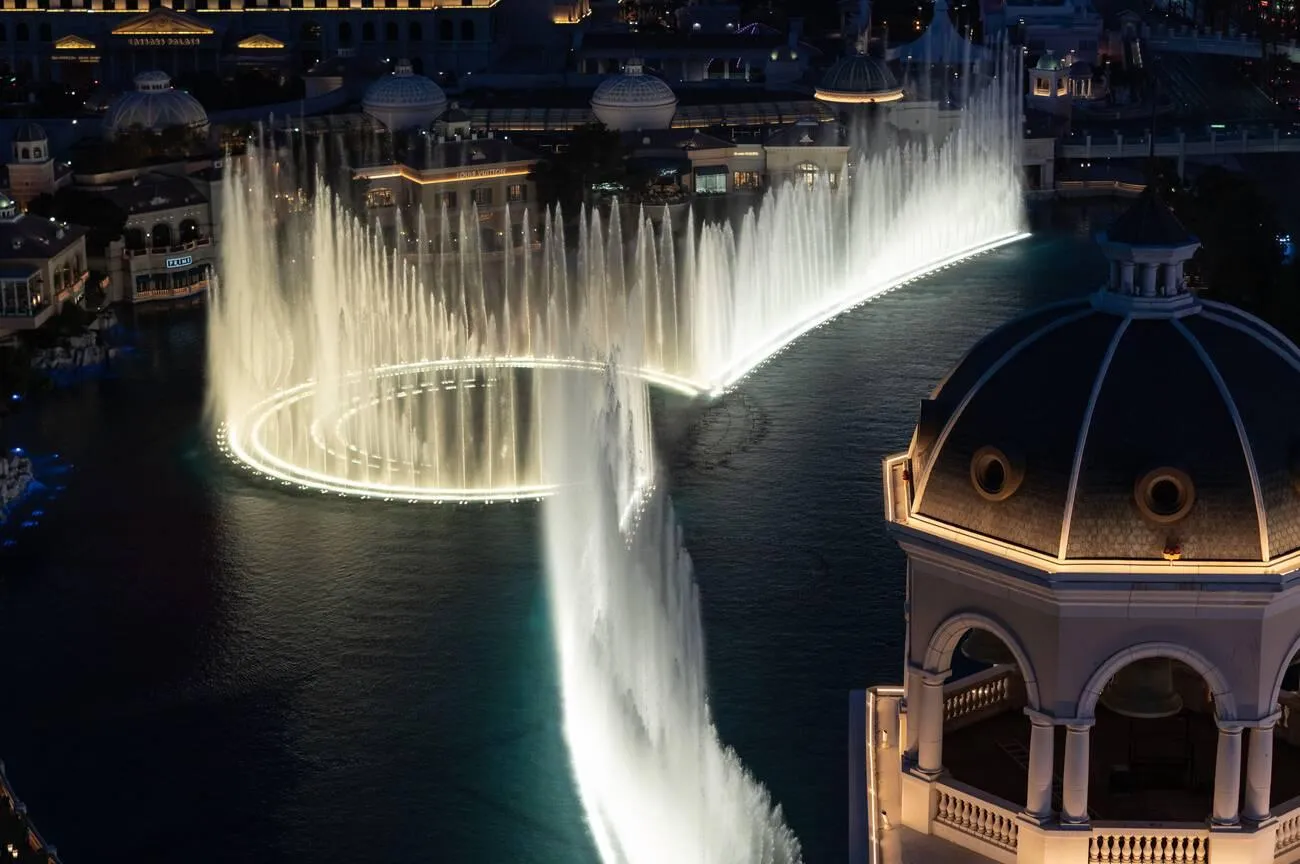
986 733
1154 738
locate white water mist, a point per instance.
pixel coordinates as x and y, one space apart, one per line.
655 781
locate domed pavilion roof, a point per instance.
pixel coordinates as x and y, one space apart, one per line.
156 105
859 79
29 133
1139 423
404 100
634 101
1048 62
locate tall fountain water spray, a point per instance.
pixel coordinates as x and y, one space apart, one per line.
343 364
655 781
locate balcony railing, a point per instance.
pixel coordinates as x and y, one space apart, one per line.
977 821
171 293
1148 845
968 700
1286 846
166 250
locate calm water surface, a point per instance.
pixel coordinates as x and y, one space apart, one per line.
215 670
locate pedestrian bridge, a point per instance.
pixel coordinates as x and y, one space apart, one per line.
1180 145
1189 40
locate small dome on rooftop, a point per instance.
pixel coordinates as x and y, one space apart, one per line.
29 133
1048 62
155 105
634 101
404 100
859 79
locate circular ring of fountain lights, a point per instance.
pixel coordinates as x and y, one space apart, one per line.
246 442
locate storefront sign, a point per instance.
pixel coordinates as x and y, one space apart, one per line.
479 173
183 261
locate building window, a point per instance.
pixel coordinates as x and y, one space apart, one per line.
44 32
20 32
516 192
747 180
345 33
390 4
467 31
390 32
368 31
380 196
446 32
415 32
807 172
712 183
482 196
449 200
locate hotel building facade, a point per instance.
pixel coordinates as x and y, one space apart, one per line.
111 41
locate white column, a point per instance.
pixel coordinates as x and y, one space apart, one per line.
1074 786
915 684
929 745
1259 769
1042 743
1227 775
1173 272
1126 277
1148 272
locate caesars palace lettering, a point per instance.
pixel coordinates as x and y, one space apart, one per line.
162 41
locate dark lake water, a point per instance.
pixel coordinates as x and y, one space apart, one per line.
205 669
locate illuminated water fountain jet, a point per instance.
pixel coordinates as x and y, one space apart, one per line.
324 341
655 781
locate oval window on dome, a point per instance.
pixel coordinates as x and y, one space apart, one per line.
1165 495
993 474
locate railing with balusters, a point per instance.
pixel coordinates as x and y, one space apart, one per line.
1286 846
969 700
976 820
1130 845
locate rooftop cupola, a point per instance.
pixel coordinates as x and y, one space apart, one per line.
1147 248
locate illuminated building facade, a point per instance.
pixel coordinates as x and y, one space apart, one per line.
168 247
42 267
1100 509
114 40
473 183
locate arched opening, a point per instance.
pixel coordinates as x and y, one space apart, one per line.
27 153
345 33
311 32
45 34
390 31
134 239
1154 743
36 153
21 32
189 231
161 236
368 31
467 31
415 32
446 31
986 733
1286 734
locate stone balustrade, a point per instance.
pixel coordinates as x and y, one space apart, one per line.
968 700
977 821
1148 845
1286 846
